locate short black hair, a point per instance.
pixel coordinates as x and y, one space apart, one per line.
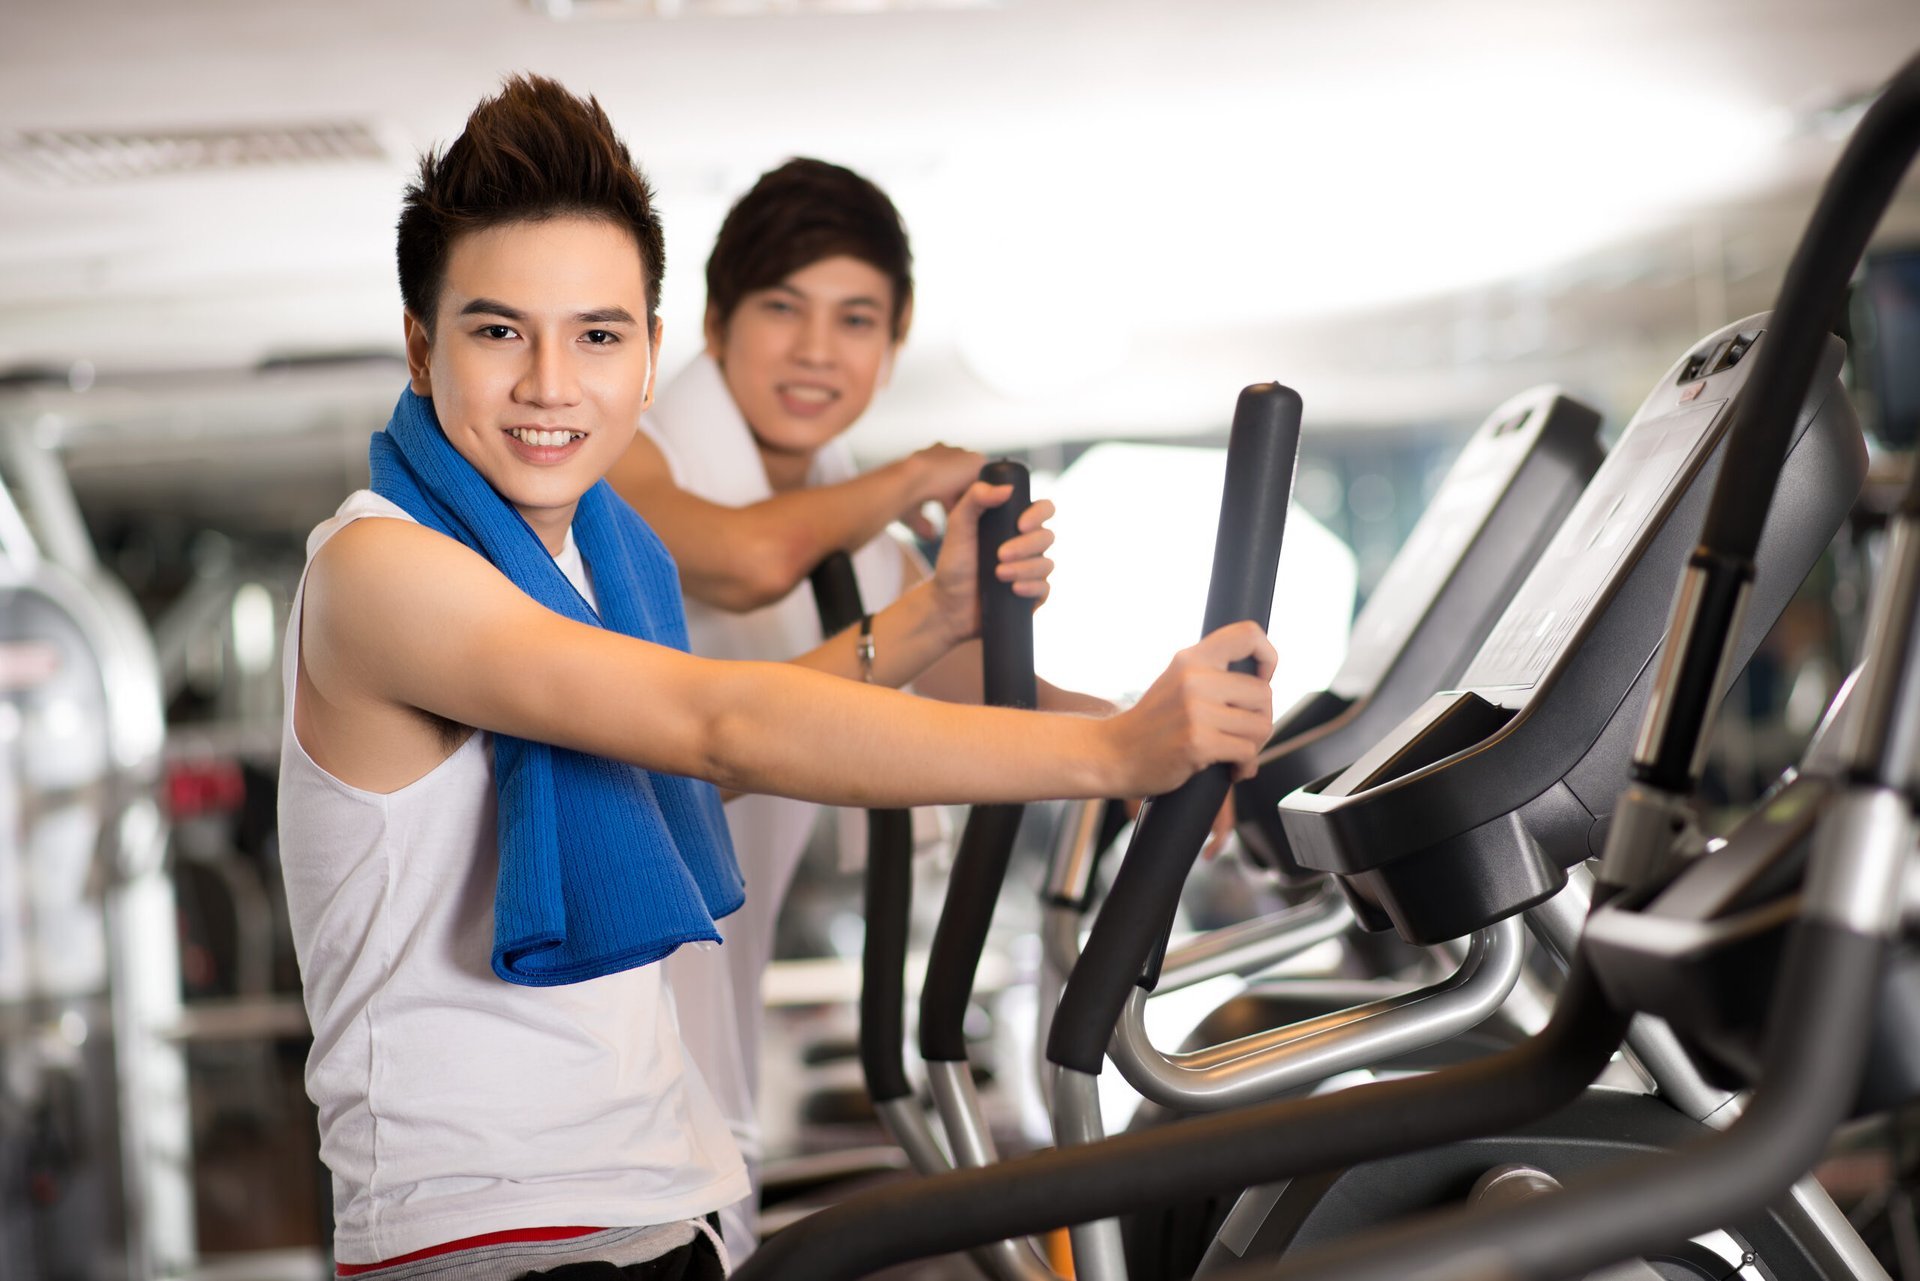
798 214
531 152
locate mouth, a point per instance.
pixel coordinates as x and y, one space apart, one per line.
539 438
805 399
544 446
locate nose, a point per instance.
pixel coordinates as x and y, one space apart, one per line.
549 378
813 340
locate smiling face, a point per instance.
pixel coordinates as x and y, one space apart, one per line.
803 358
540 362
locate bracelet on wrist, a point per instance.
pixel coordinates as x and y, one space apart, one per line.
863 647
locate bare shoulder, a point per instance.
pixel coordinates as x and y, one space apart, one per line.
372 596
388 603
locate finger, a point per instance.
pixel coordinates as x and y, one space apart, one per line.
1242 724
981 495
1037 515
1026 546
1241 691
1023 571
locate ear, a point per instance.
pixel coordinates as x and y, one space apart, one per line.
419 357
714 331
653 364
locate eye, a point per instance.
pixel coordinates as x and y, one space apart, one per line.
860 320
600 337
497 332
777 307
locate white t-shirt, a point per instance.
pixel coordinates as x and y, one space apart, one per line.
453 1103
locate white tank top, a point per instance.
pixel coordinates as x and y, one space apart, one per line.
453 1103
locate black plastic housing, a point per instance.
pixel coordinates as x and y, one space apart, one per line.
1704 951
1515 479
1443 830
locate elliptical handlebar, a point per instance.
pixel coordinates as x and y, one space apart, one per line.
986 843
1137 915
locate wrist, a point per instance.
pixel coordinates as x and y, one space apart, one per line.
945 627
915 476
1106 756
916 634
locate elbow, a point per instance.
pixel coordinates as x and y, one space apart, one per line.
759 572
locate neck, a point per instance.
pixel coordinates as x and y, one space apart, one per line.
786 472
550 525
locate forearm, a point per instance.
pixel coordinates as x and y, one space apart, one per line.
797 733
956 678
909 636
1055 699
751 556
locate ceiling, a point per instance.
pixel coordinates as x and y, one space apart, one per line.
1122 210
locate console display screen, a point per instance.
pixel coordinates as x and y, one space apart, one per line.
1407 590
1616 515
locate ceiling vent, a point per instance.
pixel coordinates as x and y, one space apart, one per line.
90 157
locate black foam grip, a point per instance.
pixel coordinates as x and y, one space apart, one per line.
973 887
889 883
836 593
1006 620
1819 1024
1222 1153
1138 911
883 960
986 843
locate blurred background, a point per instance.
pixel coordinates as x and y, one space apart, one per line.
1122 211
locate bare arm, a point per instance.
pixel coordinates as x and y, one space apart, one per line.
399 617
955 677
740 558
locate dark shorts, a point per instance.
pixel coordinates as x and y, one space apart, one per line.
694 1261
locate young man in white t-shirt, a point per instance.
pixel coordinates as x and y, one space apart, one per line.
506 1130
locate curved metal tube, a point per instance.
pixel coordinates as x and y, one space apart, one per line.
966 1125
1255 1068
1070 871
1252 946
1099 1253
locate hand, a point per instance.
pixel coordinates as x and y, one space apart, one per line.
1023 562
944 474
1197 713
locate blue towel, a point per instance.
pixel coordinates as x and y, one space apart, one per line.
603 866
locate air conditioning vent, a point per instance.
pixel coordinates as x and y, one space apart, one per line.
91 157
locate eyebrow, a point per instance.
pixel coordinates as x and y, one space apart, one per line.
597 316
860 301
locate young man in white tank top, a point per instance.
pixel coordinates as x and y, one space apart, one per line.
502 1129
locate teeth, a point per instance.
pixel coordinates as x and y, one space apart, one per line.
544 439
811 395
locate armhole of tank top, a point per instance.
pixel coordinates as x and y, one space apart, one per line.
298 628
